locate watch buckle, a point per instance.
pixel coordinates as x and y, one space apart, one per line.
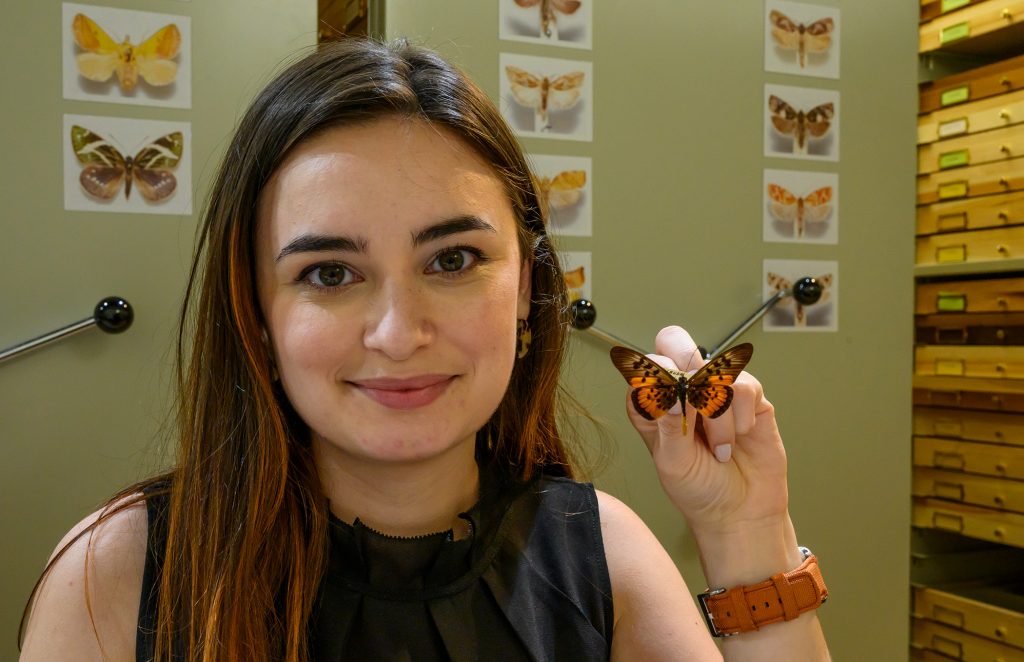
702 598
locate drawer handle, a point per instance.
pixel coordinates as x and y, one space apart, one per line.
1005 149
1004 114
1001 369
945 490
1001 302
997 402
1002 250
1004 217
1000 632
1004 182
999 501
948 616
999 533
1007 14
944 460
1001 467
1005 82
947 522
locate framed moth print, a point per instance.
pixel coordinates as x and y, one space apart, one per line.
567 23
565 184
790 315
576 270
545 97
801 39
115 164
801 207
801 122
125 56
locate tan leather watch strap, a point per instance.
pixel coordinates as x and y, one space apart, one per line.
782 597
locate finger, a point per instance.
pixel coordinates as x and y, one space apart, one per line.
747 397
675 343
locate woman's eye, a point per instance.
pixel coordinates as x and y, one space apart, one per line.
454 260
329 275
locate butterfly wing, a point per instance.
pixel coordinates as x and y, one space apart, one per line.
566 6
526 88
819 119
818 35
151 166
784 117
785 32
782 203
709 390
565 91
154 56
102 56
105 166
655 390
528 3
816 205
565 188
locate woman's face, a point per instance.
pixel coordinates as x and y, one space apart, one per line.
390 279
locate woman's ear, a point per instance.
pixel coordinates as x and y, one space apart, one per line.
525 289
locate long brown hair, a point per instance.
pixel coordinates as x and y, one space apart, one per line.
246 520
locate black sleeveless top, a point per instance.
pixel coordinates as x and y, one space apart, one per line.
530 582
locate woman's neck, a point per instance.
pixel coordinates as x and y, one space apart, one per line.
400 498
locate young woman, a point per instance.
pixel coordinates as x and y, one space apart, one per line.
370 464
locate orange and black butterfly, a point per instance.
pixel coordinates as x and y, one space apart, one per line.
656 389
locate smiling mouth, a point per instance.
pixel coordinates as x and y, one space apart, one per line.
410 393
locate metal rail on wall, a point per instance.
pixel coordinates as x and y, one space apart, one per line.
805 291
112 314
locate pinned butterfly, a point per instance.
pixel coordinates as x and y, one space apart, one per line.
657 389
106 168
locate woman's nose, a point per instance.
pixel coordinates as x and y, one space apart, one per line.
398 323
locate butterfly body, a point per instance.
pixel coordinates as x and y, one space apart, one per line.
104 57
548 17
799 124
656 389
106 168
543 94
790 208
803 38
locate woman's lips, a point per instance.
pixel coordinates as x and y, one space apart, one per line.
408 393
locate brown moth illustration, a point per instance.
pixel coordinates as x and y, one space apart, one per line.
814 37
798 124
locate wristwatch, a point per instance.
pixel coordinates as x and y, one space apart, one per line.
782 597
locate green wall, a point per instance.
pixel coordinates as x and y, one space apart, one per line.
84 417
677 161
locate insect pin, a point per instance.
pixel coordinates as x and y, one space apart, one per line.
657 389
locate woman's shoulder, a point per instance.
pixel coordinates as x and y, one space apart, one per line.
88 601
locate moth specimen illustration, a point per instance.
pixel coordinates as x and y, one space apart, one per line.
798 124
657 389
789 208
574 282
544 94
104 57
106 168
549 10
778 283
563 190
814 37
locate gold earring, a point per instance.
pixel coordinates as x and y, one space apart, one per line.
523 338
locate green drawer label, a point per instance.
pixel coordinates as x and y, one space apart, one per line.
953 190
951 302
953 159
946 254
955 33
955 95
950 5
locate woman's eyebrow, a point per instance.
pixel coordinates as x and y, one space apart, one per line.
312 243
449 227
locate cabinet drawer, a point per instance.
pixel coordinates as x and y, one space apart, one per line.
971 521
971 21
986 179
986 491
996 460
971 213
970 329
980 83
967 393
991 427
931 9
991 612
989 245
989 147
983 295
967 361
973 117
958 644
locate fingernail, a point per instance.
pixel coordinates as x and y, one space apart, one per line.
677 408
723 452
